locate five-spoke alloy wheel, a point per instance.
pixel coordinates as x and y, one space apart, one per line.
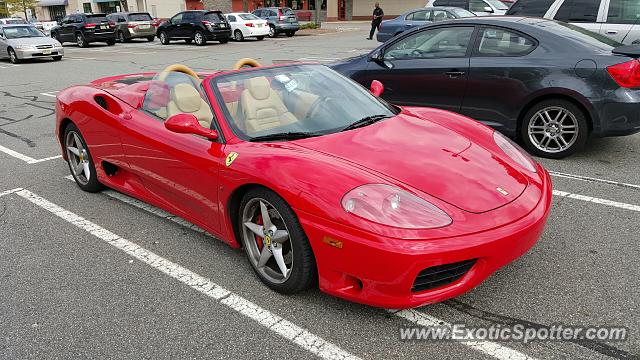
79 159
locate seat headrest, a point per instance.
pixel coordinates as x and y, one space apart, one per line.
258 87
187 98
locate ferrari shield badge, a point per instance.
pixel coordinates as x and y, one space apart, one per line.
230 158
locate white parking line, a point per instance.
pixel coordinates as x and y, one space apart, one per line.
592 179
25 158
488 347
8 66
597 200
9 192
308 341
50 93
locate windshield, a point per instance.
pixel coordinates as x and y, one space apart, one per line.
293 99
19 32
462 13
214 17
248 17
498 4
140 17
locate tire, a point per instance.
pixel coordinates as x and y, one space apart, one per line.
121 37
272 31
237 35
554 129
260 37
111 42
199 38
290 33
224 41
301 270
57 58
164 38
71 137
81 41
151 38
13 57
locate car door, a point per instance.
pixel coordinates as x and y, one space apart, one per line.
179 170
499 72
174 26
187 27
583 13
424 68
621 20
67 28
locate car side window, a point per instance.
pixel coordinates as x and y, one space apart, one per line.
624 12
501 42
440 15
272 13
177 19
441 3
257 13
478 6
422 15
578 11
447 42
533 8
188 17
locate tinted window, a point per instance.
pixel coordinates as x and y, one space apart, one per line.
442 3
189 17
534 8
140 17
214 17
624 12
478 6
176 19
231 18
580 35
578 11
434 43
500 42
95 18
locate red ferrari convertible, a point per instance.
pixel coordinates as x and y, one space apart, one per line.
319 180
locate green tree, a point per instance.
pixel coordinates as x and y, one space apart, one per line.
15 6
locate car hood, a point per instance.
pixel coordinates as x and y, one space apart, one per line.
430 158
32 41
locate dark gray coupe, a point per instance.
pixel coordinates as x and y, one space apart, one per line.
550 84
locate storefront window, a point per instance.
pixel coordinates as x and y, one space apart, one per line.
294 4
56 13
312 4
86 7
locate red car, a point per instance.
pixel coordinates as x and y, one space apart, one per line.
320 181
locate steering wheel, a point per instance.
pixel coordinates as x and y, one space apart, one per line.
177 68
317 105
246 62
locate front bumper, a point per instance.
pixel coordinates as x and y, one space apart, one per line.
380 271
38 53
287 27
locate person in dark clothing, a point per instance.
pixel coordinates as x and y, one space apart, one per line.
377 19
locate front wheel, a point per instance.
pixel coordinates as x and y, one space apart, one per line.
275 243
121 37
272 31
199 38
13 57
290 33
237 35
164 38
554 129
80 40
151 38
79 159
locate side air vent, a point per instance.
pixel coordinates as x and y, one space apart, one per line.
436 276
101 101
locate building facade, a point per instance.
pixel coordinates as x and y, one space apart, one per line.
333 10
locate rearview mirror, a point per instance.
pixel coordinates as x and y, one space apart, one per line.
188 124
488 9
376 88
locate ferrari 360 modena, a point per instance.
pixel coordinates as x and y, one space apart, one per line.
319 180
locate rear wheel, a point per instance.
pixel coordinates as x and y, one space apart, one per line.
275 243
13 57
80 40
272 31
554 129
237 35
199 38
79 159
164 38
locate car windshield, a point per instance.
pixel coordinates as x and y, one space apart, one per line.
214 17
97 18
580 35
294 100
462 13
248 17
498 4
287 11
19 32
140 17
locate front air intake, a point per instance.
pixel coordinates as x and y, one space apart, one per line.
440 275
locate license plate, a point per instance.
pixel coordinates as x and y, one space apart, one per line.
47 51
223 25
291 20
104 26
144 27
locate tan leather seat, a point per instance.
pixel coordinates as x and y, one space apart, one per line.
262 107
185 99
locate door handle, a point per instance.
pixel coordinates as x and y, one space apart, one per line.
454 74
126 116
612 32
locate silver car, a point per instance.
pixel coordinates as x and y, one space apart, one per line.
18 42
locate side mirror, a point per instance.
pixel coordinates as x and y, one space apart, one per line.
376 88
376 56
188 124
488 9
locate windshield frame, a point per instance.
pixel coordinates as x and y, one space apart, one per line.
211 88
30 27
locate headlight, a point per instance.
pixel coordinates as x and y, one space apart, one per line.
57 45
25 47
388 205
514 151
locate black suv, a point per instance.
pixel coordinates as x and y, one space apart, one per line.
196 25
84 29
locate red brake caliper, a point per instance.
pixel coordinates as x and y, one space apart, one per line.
258 238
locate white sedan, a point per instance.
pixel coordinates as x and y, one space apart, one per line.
245 25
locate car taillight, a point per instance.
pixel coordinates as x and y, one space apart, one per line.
206 23
626 74
131 26
249 24
90 26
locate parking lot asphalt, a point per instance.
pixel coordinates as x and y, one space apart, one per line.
102 275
